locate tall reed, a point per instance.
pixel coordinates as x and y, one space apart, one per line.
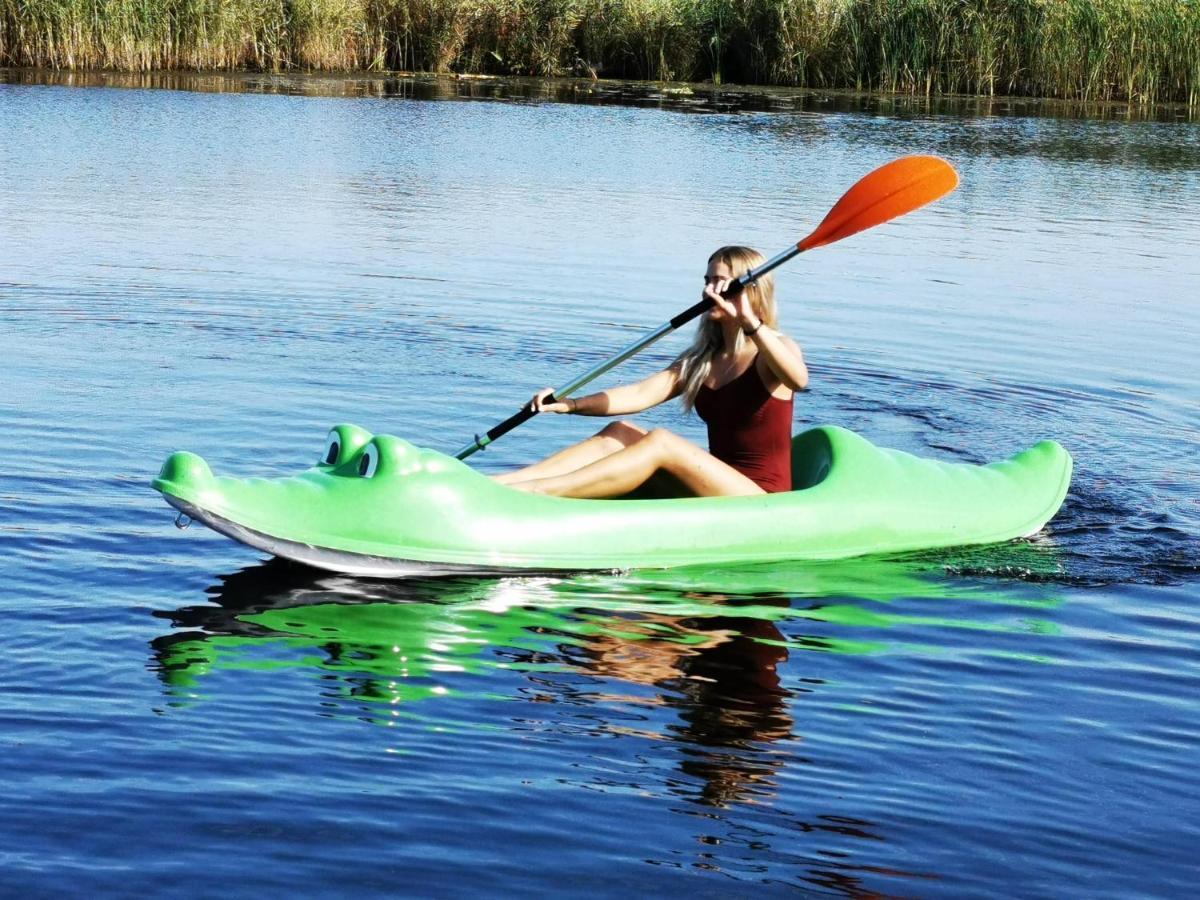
1141 50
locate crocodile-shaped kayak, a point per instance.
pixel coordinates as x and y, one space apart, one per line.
379 506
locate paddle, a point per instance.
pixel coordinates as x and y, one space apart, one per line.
890 191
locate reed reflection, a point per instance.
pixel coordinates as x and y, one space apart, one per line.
699 98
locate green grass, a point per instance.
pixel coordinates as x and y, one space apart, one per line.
1138 50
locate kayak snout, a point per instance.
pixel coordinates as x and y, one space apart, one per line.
183 470
364 494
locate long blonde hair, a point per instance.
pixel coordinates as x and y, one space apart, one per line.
695 363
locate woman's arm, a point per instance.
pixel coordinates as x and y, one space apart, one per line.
618 401
782 355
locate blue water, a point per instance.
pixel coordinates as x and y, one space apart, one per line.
234 269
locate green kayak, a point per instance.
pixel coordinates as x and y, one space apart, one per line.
379 506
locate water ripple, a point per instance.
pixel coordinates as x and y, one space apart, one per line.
1012 719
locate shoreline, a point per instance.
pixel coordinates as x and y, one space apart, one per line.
1134 51
697 97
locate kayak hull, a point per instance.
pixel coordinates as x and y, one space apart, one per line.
378 506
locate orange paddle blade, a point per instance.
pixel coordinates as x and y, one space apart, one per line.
892 190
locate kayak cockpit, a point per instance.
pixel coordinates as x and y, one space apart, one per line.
812 458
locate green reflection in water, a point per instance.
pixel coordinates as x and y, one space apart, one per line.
691 661
410 638
406 641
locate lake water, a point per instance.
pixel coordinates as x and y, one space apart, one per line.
232 264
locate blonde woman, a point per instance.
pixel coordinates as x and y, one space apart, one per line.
739 375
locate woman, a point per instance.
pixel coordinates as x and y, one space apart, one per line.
739 375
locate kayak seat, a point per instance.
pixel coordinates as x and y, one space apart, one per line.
812 457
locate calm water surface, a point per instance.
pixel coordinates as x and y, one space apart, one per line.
235 268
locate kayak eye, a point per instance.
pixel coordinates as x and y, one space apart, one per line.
333 449
369 461
342 444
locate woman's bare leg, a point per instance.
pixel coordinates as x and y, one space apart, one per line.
620 472
612 438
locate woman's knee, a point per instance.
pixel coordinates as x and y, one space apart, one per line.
670 448
666 445
664 437
625 433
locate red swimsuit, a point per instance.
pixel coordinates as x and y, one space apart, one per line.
749 429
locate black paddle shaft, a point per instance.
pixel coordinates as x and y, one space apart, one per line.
527 412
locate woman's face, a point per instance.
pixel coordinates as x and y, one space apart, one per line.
717 271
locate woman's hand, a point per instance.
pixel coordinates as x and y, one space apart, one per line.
737 307
539 404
